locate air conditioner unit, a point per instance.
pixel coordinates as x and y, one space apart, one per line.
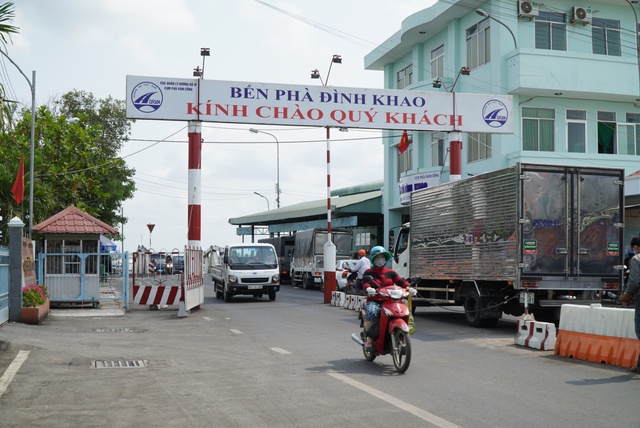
527 9
581 15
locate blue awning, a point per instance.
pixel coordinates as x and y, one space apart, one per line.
107 245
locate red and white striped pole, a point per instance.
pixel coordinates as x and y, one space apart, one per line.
195 179
455 152
455 141
329 247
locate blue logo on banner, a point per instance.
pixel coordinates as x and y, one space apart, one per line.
146 97
495 113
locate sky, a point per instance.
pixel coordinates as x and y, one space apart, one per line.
93 45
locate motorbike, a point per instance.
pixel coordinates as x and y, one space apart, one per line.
350 283
393 327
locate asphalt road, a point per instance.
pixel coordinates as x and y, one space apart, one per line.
291 363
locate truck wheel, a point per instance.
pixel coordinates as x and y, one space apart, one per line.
225 294
472 309
272 295
307 281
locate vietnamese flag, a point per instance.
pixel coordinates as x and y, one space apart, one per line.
18 185
404 142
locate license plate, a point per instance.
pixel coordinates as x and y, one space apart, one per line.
530 297
255 287
317 279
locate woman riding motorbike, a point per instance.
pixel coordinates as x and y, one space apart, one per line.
375 277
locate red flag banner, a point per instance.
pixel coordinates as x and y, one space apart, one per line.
404 142
18 185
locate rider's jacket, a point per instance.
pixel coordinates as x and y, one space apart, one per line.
383 277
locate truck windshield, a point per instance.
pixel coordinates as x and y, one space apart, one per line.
253 257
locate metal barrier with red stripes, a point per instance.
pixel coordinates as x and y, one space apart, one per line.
153 285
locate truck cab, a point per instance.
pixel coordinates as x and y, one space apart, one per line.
246 269
400 251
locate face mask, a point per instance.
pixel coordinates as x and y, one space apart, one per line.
380 261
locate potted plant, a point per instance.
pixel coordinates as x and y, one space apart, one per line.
35 304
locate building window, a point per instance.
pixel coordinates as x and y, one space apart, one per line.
437 62
537 129
405 77
551 31
576 131
68 260
405 160
478 146
437 148
478 44
629 135
607 132
363 239
605 36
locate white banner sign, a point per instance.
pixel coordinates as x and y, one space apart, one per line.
159 98
411 183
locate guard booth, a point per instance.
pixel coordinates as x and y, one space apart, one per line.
77 263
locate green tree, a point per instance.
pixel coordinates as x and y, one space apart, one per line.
74 163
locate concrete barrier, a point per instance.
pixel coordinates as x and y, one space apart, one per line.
536 335
337 298
597 334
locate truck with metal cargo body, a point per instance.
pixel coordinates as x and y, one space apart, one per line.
527 236
246 269
284 248
307 261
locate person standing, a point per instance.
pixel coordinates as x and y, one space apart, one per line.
361 266
631 295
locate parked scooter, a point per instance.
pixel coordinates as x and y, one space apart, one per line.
392 336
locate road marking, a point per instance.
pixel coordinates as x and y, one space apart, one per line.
281 351
11 371
207 318
233 330
422 414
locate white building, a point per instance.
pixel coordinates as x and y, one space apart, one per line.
573 71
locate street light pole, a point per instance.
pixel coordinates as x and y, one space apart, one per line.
455 136
486 15
329 247
265 198
32 85
635 31
255 131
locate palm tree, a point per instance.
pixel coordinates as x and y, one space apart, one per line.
7 13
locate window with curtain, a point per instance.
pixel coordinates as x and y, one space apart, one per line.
537 129
607 132
404 77
605 36
551 31
577 131
629 135
478 146
437 62
438 140
478 44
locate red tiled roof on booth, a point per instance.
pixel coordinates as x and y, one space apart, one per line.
73 220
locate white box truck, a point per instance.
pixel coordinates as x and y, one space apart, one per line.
545 233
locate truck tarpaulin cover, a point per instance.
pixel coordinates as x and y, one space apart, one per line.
107 245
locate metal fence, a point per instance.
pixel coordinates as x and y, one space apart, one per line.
4 285
86 278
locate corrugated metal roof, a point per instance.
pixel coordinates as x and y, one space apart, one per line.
73 220
343 204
